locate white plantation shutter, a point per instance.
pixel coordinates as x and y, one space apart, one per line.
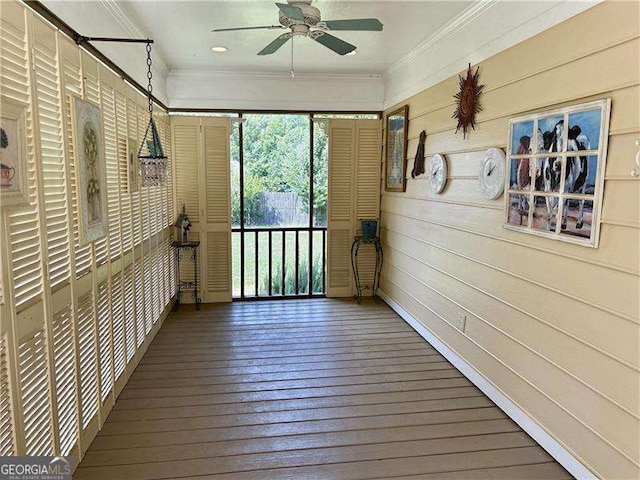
167 267
139 282
65 378
340 207
25 247
129 312
368 159
24 228
354 187
123 162
112 164
186 147
158 284
218 268
49 108
69 346
150 293
368 151
92 94
104 340
7 442
88 359
72 82
34 393
217 203
145 192
117 312
132 129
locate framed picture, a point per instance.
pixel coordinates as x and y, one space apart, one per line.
555 172
90 168
133 172
13 153
396 150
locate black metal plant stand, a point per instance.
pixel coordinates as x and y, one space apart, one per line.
180 248
355 246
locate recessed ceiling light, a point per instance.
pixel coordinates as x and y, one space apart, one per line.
219 49
352 52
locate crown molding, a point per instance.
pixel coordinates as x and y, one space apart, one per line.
113 8
495 27
255 75
456 25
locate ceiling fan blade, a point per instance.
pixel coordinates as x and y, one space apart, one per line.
275 45
291 11
356 24
268 27
334 43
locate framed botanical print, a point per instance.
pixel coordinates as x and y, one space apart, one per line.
555 172
13 153
396 150
90 169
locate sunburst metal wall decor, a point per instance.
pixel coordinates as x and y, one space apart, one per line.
467 101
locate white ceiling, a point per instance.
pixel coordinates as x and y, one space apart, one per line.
422 43
183 31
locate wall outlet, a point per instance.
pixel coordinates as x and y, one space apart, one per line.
460 321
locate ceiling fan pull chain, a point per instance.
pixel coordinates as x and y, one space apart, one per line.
293 75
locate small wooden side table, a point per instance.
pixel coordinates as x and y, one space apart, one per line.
190 251
355 246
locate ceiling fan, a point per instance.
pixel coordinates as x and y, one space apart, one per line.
304 20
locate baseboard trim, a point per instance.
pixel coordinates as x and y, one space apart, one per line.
526 422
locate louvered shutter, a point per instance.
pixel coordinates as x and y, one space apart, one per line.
186 151
117 312
104 340
52 162
24 232
123 162
129 312
354 192
72 82
7 436
88 359
139 283
34 394
65 379
90 77
108 110
340 207
368 151
132 129
215 184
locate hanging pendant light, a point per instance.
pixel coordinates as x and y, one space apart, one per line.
153 166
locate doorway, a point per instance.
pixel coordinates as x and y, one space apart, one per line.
279 166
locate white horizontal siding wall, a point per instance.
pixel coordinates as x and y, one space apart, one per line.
554 326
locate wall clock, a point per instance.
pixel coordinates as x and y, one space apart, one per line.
491 174
438 173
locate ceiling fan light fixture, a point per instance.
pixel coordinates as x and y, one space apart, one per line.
351 53
219 49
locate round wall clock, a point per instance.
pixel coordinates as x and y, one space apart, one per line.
491 174
438 173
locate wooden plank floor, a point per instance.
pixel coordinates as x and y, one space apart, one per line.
305 389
